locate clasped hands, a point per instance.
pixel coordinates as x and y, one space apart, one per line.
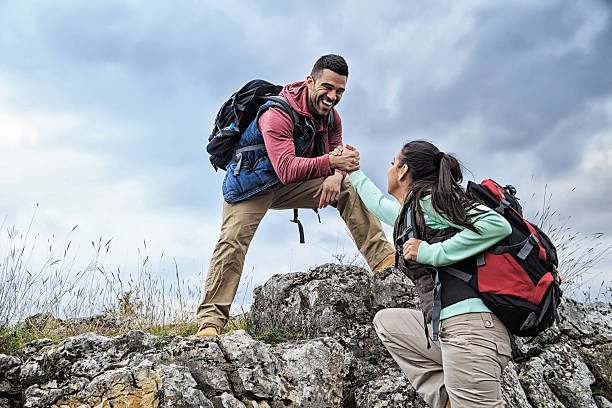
345 158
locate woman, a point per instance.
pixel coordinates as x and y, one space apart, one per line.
463 368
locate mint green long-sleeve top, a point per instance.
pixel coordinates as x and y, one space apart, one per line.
492 226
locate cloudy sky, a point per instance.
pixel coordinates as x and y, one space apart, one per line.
105 108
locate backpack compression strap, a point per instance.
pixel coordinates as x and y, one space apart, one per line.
238 155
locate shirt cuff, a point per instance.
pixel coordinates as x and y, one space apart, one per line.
425 254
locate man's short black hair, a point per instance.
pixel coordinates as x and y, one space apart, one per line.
331 61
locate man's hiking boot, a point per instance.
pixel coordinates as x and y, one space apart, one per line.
208 331
385 263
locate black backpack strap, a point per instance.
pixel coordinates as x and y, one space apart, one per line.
525 247
437 307
408 231
464 276
299 224
517 354
331 119
284 103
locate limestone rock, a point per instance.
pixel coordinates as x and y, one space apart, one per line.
328 300
9 380
226 400
599 360
602 402
331 300
535 386
512 392
204 359
587 322
392 288
36 347
142 383
255 367
390 390
569 377
315 371
558 378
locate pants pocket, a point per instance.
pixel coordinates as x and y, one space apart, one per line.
478 330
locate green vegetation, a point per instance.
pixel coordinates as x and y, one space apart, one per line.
278 335
12 340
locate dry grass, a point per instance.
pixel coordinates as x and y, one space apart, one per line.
578 252
38 279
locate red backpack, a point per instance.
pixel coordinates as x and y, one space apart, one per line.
516 278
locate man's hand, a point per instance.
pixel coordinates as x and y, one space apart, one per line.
344 158
411 249
329 190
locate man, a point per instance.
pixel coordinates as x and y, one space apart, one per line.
292 171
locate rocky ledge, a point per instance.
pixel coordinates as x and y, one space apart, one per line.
340 363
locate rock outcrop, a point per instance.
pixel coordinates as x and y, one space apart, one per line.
340 363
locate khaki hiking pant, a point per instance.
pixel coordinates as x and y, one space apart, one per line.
464 366
240 221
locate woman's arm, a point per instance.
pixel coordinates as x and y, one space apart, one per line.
492 226
383 208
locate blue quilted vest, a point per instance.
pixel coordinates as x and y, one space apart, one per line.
255 172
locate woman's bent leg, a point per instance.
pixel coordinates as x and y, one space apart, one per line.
403 334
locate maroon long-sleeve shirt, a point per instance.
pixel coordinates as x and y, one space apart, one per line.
277 129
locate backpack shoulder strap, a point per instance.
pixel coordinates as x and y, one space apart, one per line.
331 119
412 221
409 227
285 106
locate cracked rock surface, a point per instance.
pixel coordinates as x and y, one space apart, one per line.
340 364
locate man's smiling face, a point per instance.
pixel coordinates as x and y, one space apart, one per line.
324 91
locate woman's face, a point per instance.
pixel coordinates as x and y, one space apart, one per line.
393 176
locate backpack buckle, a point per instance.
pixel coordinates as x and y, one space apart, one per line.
510 189
399 242
502 206
530 243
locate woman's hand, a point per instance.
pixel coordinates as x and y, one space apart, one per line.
337 151
411 249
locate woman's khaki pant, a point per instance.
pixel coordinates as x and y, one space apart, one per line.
464 366
240 221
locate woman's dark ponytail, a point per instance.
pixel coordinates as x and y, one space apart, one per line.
437 174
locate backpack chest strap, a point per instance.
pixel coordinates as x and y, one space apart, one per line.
238 155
